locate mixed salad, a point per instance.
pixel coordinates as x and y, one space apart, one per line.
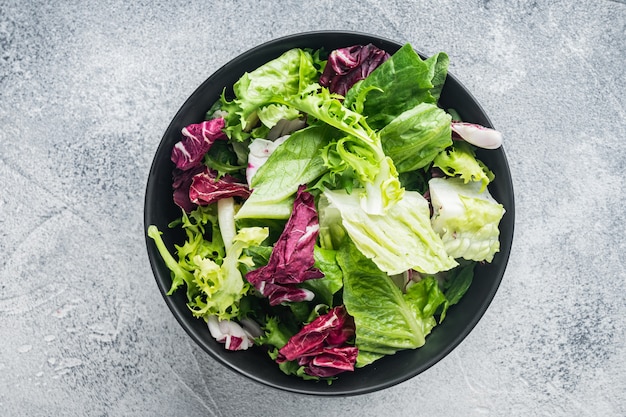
333 211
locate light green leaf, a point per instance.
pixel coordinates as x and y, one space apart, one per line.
415 137
402 239
386 319
466 218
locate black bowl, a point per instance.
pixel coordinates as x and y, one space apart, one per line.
254 363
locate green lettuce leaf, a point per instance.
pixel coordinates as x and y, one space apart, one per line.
415 137
402 239
399 84
466 218
222 286
361 148
460 160
438 72
286 75
456 284
296 161
271 114
386 319
222 158
325 288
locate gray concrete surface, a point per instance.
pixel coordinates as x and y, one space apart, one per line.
88 88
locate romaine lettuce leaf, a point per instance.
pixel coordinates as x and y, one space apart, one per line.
297 161
402 239
399 84
416 136
386 319
260 151
438 72
466 218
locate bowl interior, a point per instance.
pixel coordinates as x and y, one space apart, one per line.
254 363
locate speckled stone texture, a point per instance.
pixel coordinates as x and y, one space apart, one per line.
87 90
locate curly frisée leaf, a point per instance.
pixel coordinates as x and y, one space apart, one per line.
460 160
361 149
179 274
222 286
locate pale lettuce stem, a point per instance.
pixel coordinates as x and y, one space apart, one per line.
226 220
170 262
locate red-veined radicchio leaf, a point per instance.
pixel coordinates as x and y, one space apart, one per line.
181 182
291 261
197 140
279 293
346 66
320 345
332 361
206 188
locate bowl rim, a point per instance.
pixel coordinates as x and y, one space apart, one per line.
296 388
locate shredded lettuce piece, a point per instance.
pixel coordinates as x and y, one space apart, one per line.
466 218
400 240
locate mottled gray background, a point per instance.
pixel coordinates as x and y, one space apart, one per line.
87 90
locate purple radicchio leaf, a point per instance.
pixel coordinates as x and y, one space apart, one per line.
291 261
346 66
232 334
197 140
320 346
181 182
332 361
280 293
206 188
